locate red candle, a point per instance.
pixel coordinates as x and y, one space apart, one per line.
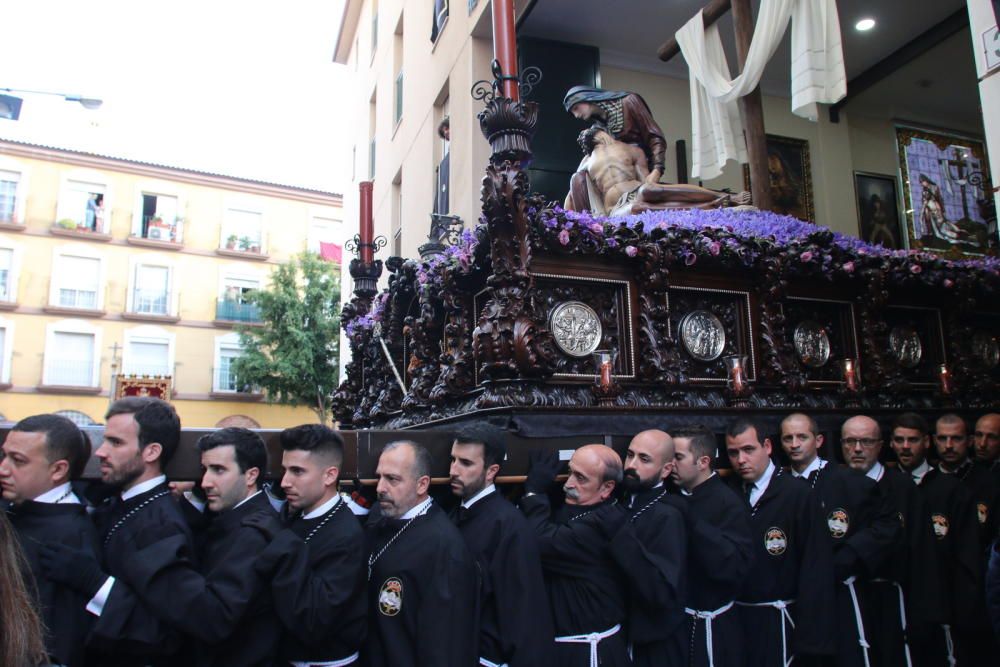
945 376
850 376
605 373
505 44
736 375
366 233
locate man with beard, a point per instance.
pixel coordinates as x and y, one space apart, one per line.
515 628
987 443
654 554
422 585
906 593
786 602
140 437
224 606
976 644
952 517
720 553
862 524
586 589
38 458
315 566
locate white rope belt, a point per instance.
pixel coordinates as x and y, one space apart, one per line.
949 644
862 641
483 662
343 662
902 616
708 617
593 638
783 615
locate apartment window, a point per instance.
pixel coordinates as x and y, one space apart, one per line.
472 5
151 290
158 218
371 159
439 19
397 67
397 217
242 230
147 352
71 356
76 282
7 275
227 351
82 206
374 27
6 349
9 182
234 303
325 238
398 111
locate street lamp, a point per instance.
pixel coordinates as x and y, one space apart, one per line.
10 106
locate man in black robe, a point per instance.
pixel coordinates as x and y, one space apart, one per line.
225 606
986 439
654 554
422 585
786 602
952 518
587 590
720 553
515 628
976 645
39 458
862 524
140 436
315 566
906 595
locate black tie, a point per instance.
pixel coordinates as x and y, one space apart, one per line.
461 514
748 490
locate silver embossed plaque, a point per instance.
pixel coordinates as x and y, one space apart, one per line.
905 345
812 345
986 349
576 328
702 335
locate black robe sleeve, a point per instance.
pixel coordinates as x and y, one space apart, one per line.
563 546
723 549
816 600
880 529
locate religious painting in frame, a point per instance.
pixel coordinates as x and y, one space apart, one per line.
791 177
878 209
945 176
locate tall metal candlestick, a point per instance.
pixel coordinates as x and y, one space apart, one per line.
505 45
366 233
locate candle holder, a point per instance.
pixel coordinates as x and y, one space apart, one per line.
738 388
851 386
606 389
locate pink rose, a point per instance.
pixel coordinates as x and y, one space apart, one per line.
715 248
631 250
597 228
916 268
564 237
949 283
806 256
848 267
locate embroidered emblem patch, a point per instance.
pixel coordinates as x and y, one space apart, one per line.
775 541
838 523
390 597
940 524
982 511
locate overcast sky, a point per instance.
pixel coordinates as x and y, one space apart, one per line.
245 88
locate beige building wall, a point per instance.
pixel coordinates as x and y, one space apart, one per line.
195 322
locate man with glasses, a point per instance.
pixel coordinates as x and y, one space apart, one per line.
906 593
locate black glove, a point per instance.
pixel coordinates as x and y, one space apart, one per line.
76 568
266 524
543 466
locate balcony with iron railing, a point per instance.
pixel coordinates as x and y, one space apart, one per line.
245 247
231 311
151 305
148 370
226 385
77 299
8 299
69 376
159 232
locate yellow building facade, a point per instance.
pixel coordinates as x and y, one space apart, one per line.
110 266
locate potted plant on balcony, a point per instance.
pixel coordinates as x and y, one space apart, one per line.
67 223
231 242
246 244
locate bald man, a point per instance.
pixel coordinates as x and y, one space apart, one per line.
587 589
655 554
911 576
786 602
986 439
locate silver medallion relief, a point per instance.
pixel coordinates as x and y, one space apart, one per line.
986 349
702 335
812 344
576 328
905 345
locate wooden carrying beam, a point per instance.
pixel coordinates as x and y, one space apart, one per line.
712 12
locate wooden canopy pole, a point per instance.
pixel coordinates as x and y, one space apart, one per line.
752 110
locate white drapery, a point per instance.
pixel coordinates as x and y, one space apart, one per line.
817 74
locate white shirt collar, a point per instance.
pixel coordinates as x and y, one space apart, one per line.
760 486
419 509
876 471
61 494
324 508
918 473
479 496
252 495
143 487
817 464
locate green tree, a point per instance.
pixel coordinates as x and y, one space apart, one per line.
294 356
